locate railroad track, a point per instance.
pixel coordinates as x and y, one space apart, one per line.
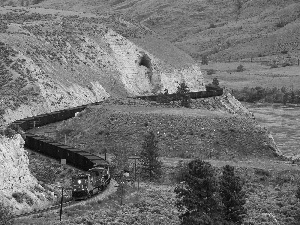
111 188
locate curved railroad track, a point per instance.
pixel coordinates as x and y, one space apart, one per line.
80 159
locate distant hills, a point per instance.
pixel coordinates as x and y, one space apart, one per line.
222 29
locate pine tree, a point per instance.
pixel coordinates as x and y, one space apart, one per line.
183 92
150 165
197 199
233 197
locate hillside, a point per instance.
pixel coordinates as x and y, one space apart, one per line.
202 131
222 29
53 59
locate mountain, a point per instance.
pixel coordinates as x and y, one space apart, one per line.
222 29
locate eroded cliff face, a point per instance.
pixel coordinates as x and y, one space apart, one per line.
18 188
52 60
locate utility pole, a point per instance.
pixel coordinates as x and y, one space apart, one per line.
61 202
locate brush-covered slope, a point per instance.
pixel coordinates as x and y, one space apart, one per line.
119 126
56 59
219 28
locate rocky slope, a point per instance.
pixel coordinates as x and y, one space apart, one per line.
56 59
19 189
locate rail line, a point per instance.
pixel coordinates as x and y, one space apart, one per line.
75 157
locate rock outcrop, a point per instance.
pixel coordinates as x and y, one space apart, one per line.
19 189
56 59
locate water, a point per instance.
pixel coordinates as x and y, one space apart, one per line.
283 122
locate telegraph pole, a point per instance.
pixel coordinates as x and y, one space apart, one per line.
61 202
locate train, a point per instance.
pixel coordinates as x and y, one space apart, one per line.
211 91
96 174
87 184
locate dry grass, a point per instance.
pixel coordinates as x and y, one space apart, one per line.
255 74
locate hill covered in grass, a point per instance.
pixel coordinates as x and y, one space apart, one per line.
222 29
120 126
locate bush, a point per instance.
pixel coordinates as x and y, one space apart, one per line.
212 26
281 24
286 64
211 71
240 68
204 60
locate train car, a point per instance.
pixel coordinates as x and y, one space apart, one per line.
87 184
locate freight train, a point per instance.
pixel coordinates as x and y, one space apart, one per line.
88 184
91 182
211 91
97 175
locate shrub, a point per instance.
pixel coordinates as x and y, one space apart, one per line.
281 24
204 60
211 26
180 172
286 64
240 68
211 71
18 196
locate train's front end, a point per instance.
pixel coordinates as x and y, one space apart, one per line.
81 186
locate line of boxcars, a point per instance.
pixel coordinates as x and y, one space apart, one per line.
76 157
210 92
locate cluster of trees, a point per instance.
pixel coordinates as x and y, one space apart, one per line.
203 199
182 92
274 95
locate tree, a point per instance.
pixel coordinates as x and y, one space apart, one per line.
204 59
215 82
183 93
150 165
197 199
232 195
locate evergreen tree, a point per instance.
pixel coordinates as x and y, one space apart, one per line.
183 93
197 199
204 59
233 198
150 165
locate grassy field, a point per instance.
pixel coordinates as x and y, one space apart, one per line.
255 74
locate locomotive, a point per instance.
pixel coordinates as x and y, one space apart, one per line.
87 184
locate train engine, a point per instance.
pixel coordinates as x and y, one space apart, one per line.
90 183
